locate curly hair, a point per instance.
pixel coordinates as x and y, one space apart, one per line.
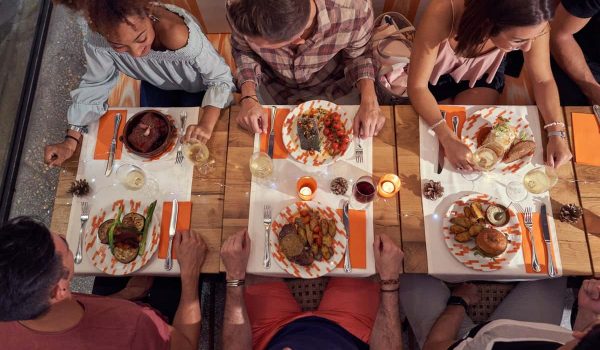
105 15
30 269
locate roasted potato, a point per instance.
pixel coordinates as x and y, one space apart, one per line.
456 229
463 237
332 228
475 229
309 236
477 210
468 212
302 234
313 223
327 241
461 221
325 252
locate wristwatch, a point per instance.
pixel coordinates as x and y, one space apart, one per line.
456 300
82 129
561 133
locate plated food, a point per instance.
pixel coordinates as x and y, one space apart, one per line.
124 236
149 133
500 139
307 239
317 133
481 233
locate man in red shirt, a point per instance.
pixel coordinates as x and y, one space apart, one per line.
39 311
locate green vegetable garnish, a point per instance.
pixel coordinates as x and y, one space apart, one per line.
111 230
147 224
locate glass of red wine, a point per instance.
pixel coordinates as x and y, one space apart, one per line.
363 192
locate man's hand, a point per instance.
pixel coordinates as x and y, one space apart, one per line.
589 296
252 117
469 292
235 253
368 120
388 257
198 132
557 152
191 252
56 154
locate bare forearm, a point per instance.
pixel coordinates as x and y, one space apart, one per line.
210 117
248 89
188 315
570 58
546 95
445 329
386 332
237 333
427 107
367 91
584 318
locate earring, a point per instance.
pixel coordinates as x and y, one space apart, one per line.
153 18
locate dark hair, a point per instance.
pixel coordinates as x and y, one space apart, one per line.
482 20
29 269
591 341
105 15
273 20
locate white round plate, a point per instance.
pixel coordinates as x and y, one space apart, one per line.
317 268
466 252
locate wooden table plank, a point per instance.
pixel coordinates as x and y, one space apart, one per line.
238 178
207 195
588 183
571 238
411 206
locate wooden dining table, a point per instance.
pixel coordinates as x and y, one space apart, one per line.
220 199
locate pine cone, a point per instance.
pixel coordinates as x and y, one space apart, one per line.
339 186
79 188
433 190
570 213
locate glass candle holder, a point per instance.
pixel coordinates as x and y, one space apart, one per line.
306 187
388 186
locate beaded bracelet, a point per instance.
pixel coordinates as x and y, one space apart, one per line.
438 123
388 282
549 125
235 283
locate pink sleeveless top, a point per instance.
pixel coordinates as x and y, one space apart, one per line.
462 68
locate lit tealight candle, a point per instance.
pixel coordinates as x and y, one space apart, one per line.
388 186
306 187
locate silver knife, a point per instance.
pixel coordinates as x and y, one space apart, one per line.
347 264
172 227
596 109
546 232
113 146
440 163
272 133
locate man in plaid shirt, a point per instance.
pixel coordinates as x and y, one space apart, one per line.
298 50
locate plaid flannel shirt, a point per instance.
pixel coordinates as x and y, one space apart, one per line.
329 63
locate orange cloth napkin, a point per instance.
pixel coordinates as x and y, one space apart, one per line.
106 127
460 112
279 151
540 245
358 238
184 220
586 136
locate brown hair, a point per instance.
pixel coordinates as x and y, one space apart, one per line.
273 20
483 19
105 15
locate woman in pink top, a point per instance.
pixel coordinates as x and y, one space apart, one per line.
458 58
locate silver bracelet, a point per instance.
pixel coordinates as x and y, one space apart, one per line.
549 125
440 122
561 133
235 283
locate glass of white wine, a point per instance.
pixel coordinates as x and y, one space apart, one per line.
198 153
540 179
131 176
485 159
261 165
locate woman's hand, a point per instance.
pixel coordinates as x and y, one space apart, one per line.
56 154
557 152
459 155
197 132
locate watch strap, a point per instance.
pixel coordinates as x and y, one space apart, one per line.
456 300
82 129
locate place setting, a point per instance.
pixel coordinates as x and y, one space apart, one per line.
496 222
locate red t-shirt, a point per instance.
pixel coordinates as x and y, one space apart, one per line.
106 324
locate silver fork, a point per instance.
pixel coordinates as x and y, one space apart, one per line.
179 157
358 151
85 215
528 221
267 223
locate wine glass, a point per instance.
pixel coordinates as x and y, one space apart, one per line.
261 165
131 176
198 153
535 181
363 192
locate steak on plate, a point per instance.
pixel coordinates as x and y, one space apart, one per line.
149 133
